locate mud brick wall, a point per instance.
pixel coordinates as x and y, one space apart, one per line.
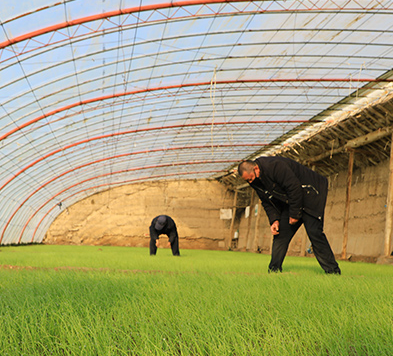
122 216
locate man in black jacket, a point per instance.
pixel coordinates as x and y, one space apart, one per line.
164 225
291 195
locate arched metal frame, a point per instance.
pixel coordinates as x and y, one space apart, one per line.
98 94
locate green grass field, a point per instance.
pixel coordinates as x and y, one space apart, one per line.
89 300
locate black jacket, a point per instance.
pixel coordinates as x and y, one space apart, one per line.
169 229
283 182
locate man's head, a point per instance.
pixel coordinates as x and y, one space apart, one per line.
160 223
248 170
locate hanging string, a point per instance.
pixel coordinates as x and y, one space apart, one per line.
213 84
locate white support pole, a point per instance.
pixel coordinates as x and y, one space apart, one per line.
389 206
347 203
234 209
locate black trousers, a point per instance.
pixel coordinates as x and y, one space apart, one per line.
174 246
320 244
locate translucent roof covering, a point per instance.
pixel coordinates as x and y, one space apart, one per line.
100 93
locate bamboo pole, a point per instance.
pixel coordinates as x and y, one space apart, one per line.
252 203
347 203
389 205
303 245
229 240
354 143
305 239
256 230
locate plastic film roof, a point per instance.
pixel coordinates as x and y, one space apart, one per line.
96 94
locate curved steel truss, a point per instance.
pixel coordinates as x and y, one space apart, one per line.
96 94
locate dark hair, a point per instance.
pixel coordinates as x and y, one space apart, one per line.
246 166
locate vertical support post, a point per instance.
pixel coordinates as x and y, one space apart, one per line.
303 246
304 236
229 240
256 230
252 203
347 203
389 206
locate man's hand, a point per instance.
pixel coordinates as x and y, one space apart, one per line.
275 227
293 221
157 243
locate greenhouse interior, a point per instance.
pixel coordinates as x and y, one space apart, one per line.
115 111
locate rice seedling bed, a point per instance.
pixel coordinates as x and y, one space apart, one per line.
89 300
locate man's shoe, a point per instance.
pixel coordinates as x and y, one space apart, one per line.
336 271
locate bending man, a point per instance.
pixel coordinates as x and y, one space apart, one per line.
291 195
164 225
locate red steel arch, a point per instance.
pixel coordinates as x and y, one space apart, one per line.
197 4
138 131
230 8
253 81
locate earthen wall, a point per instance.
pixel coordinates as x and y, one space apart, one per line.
121 216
